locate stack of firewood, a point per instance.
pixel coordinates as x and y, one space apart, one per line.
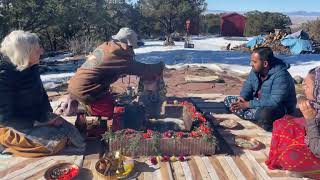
272 40
316 46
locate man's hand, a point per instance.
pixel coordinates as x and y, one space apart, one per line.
309 113
241 99
239 105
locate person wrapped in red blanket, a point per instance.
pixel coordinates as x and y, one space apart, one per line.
295 144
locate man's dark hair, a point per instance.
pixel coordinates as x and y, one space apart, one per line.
265 53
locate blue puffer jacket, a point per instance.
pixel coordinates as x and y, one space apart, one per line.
277 91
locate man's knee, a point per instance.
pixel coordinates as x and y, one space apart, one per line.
265 114
266 117
229 100
270 114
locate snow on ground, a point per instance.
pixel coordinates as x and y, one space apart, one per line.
59 58
51 81
59 73
208 52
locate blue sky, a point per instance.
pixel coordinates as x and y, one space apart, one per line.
265 5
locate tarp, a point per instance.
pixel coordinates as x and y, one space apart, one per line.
258 40
298 42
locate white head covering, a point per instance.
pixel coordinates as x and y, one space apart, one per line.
128 36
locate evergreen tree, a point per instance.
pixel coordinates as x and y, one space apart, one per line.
264 22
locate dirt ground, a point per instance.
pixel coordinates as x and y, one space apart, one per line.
176 84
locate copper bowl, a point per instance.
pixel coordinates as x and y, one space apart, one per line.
247 142
61 169
127 160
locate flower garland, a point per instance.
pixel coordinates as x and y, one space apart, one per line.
132 138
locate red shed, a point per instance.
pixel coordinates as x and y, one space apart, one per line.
232 24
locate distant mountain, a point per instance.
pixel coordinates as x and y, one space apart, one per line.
222 11
293 13
302 13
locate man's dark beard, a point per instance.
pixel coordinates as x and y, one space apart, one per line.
259 70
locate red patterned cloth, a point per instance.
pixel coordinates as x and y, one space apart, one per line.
116 124
288 150
102 107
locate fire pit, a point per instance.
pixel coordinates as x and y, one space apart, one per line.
179 130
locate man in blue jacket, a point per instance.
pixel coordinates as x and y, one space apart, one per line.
268 93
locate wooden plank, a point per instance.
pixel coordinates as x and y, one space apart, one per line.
35 170
194 169
226 167
170 172
201 79
157 173
200 100
202 168
178 172
212 172
165 170
218 167
147 174
251 164
273 173
243 168
236 171
251 161
256 165
32 167
259 156
140 169
288 178
207 96
186 170
213 110
13 164
152 171
240 155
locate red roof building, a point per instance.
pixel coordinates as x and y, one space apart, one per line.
232 24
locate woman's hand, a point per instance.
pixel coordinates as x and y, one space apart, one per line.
309 113
67 106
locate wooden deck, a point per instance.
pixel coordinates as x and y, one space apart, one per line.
231 162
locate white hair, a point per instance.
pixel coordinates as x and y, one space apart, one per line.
17 46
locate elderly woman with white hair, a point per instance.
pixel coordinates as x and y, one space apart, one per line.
27 125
